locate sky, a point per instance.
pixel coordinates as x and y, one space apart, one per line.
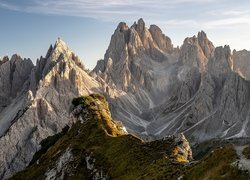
28 27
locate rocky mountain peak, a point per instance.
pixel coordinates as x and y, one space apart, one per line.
4 59
13 75
140 25
152 94
60 44
202 35
123 57
15 57
49 51
222 61
241 63
59 48
196 51
55 54
222 52
61 51
122 27
42 95
164 42
205 44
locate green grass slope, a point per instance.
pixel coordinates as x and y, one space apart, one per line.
97 147
113 154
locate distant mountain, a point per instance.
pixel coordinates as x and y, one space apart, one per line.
241 62
191 89
153 88
42 107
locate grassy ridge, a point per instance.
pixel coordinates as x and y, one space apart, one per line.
123 156
118 155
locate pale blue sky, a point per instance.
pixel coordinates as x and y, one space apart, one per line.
28 27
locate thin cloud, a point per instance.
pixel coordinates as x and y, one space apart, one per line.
167 12
228 22
94 9
177 23
9 6
228 13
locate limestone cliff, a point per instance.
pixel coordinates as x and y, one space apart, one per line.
153 88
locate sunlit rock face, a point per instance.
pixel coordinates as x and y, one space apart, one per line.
154 88
192 89
241 62
42 107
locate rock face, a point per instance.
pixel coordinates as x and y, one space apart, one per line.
167 90
196 51
13 75
181 151
128 60
155 89
42 108
94 147
241 60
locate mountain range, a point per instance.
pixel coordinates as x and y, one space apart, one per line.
155 89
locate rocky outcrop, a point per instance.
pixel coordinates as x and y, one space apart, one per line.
153 88
196 51
185 90
163 42
131 53
3 60
94 147
221 62
182 151
53 83
241 60
14 73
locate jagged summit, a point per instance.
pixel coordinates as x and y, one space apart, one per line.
35 100
202 50
130 49
140 26
4 59
122 26
59 48
59 40
155 89
163 41
143 63
241 63
13 58
60 52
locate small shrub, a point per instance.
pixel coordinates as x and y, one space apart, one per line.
246 152
78 100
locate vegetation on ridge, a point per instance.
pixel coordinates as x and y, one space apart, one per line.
246 152
116 154
47 143
220 163
98 147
